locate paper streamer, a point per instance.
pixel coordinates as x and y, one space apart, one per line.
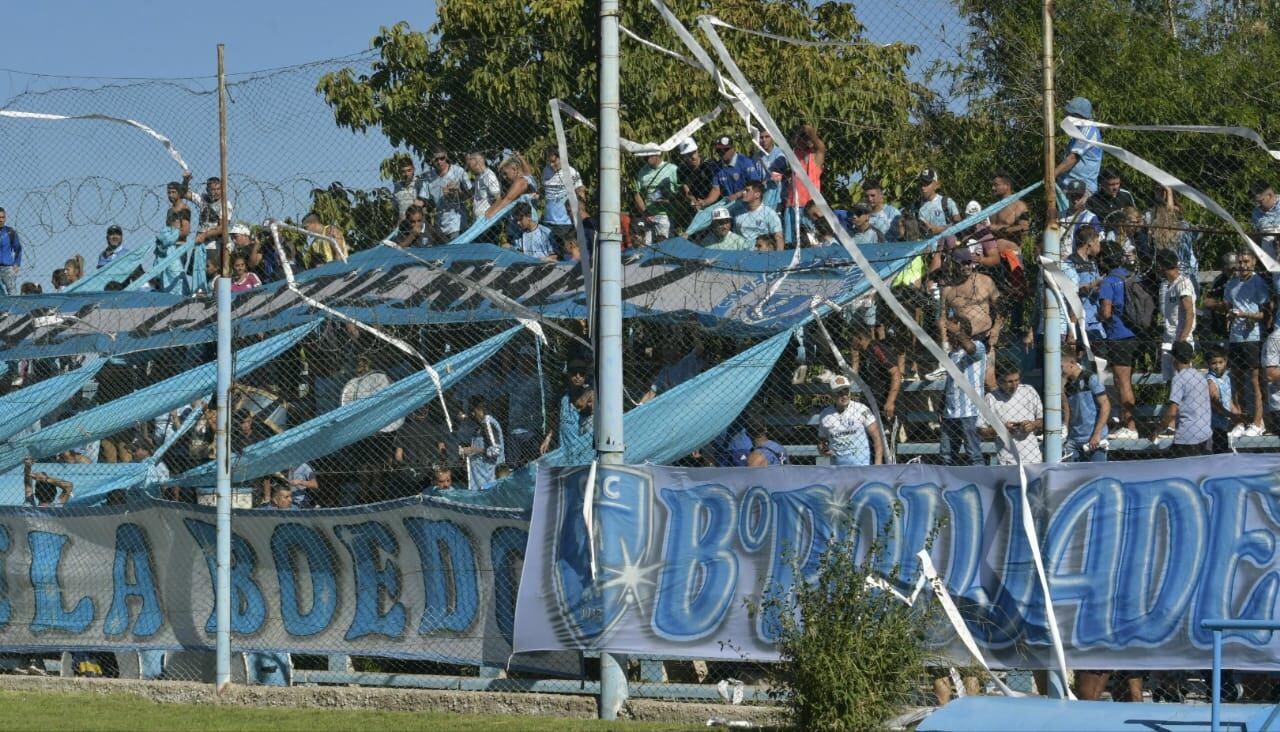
751 100
168 144
584 251
1244 132
1071 126
396 343
337 245
638 148
795 41
1064 289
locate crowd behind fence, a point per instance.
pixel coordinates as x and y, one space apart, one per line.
1185 318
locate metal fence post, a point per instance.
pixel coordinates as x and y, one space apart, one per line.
613 682
222 601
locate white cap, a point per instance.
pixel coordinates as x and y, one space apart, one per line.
687 146
647 152
239 227
721 214
972 208
840 383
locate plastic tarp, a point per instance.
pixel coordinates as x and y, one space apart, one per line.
90 482
345 425
107 419
667 427
21 409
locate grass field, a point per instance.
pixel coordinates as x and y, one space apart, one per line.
36 711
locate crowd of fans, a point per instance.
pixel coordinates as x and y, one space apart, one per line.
1131 261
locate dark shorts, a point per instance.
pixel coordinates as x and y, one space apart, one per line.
1177 450
1244 355
1120 353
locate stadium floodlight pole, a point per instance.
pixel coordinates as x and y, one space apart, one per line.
608 330
1052 308
222 601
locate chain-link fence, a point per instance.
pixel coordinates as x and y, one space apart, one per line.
412 265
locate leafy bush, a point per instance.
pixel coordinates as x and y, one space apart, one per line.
852 655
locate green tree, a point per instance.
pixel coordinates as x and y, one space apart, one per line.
481 76
1140 62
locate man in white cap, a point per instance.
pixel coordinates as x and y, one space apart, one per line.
1083 162
697 177
721 234
847 431
655 191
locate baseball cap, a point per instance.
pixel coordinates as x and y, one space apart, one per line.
972 208
688 146
840 383
1166 259
723 142
721 214
114 229
928 175
239 227
1075 188
1080 107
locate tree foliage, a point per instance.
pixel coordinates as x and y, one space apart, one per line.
1140 62
481 76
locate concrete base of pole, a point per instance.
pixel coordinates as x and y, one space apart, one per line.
613 686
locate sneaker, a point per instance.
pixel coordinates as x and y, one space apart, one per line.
1254 430
1124 433
1237 431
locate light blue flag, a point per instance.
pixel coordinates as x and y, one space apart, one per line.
107 419
669 426
89 482
23 407
117 270
334 430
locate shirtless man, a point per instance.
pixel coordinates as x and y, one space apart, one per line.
1013 221
973 295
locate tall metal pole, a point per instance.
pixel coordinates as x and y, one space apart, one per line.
222 602
609 403
1052 308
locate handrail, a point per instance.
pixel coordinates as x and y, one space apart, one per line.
1217 625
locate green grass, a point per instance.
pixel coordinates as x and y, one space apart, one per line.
59 711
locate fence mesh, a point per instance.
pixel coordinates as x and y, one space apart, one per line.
405 374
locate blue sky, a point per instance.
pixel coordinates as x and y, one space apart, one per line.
63 182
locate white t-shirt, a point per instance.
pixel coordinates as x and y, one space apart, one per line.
363 387
485 191
1171 294
555 194
846 432
1023 405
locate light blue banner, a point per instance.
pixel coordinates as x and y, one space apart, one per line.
1137 553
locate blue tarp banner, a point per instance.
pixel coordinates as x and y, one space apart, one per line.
90 482
21 408
1138 553
117 270
405 579
334 430
670 426
107 419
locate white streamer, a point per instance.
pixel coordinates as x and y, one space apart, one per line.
588 514
751 100
1071 126
638 148
795 41
1244 132
584 251
338 246
400 345
168 144
1065 292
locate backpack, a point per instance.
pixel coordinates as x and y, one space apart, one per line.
1139 305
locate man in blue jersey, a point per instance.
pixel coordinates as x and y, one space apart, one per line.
735 170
